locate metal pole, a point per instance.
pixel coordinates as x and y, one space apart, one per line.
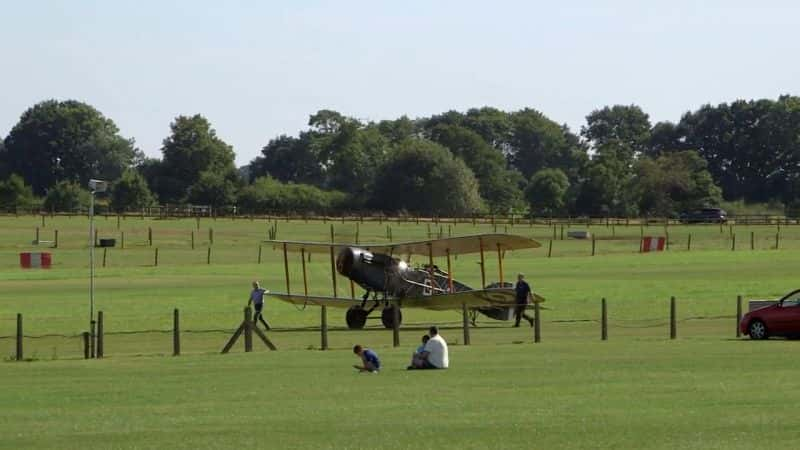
91 256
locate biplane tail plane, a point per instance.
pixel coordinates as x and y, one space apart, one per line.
390 281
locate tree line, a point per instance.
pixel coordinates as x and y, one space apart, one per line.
481 160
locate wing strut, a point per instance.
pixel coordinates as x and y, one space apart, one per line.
483 269
500 264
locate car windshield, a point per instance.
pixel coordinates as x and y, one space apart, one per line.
792 300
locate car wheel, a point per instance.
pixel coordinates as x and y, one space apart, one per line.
757 330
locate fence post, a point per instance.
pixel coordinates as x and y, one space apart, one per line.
259 254
777 240
149 236
105 254
593 244
208 256
752 240
192 239
122 239
537 323
19 337
176 333
603 320
733 242
36 236
211 236
689 243
155 258
248 330
550 249
92 337
673 331
55 238
99 334
738 314
86 339
465 323
323 328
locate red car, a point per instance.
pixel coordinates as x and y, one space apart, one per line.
780 319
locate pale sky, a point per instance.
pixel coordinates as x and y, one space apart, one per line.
257 69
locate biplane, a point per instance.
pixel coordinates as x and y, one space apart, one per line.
390 281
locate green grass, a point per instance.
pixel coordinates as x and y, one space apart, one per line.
704 390
619 394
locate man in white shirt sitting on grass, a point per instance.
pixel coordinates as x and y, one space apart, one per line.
434 355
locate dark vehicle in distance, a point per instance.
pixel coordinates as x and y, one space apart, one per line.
780 319
704 215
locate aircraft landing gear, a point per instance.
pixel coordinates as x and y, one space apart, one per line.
387 316
356 317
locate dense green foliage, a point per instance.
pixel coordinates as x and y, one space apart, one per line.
421 176
546 191
15 193
130 192
192 150
745 150
267 194
66 141
66 196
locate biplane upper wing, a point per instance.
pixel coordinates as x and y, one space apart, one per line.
472 299
434 247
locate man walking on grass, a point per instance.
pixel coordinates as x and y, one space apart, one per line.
257 299
524 295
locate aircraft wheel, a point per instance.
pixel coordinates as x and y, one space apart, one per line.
387 316
356 317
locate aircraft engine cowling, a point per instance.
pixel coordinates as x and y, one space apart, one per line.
373 271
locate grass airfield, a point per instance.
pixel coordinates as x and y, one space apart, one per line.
638 390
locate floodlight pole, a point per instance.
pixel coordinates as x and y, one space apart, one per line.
91 255
95 186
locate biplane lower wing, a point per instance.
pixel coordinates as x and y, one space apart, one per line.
441 302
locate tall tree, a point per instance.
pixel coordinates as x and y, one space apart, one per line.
399 129
4 173
287 158
213 188
626 127
499 186
423 177
673 182
192 149
66 140
537 142
131 192
752 147
66 196
546 191
664 137
15 193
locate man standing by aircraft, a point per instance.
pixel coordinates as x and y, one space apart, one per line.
257 299
524 296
